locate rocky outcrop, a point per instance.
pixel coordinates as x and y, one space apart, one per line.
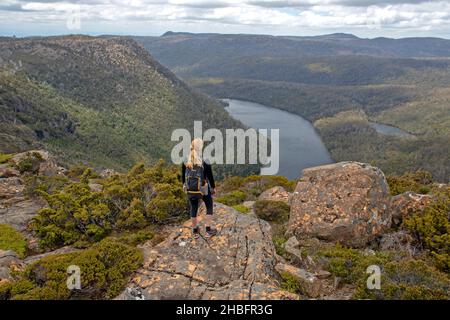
8 261
346 202
276 194
8 172
16 208
405 204
47 166
238 263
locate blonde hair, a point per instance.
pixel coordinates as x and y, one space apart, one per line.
195 155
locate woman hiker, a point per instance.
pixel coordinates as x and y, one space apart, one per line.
198 183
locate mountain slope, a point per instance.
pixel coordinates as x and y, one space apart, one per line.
105 101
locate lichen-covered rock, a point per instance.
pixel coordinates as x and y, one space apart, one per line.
309 283
17 209
346 202
8 259
238 263
276 194
292 248
400 241
403 205
8 172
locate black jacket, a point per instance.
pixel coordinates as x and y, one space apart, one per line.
207 171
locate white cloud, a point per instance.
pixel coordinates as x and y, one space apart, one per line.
388 17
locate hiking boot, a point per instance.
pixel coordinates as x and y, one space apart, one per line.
195 233
210 232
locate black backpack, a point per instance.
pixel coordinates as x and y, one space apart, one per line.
195 179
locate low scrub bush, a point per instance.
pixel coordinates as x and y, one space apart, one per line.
232 198
290 283
241 208
4 158
36 185
431 228
11 239
351 264
419 182
408 280
77 215
105 268
274 211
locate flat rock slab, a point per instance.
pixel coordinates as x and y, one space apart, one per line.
238 263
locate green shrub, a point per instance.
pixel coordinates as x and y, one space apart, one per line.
74 214
233 198
408 280
132 217
168 202
4 158
351 264
420 182
11 239
36 185
290 283
241 208
5 290
432 228
134 238
77 215
105 268
275 211
76 172
253 186
278 242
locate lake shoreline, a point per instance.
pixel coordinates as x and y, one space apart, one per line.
300 144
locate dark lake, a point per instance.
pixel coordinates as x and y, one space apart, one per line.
300 145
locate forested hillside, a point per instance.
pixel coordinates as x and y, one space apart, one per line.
402 82
102 101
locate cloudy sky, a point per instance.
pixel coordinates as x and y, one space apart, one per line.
365 18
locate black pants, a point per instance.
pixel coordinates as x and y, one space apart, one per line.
193 204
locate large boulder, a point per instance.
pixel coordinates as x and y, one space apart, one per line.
403 205
238 263
346 202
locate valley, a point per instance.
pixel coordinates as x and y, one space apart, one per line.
398 82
